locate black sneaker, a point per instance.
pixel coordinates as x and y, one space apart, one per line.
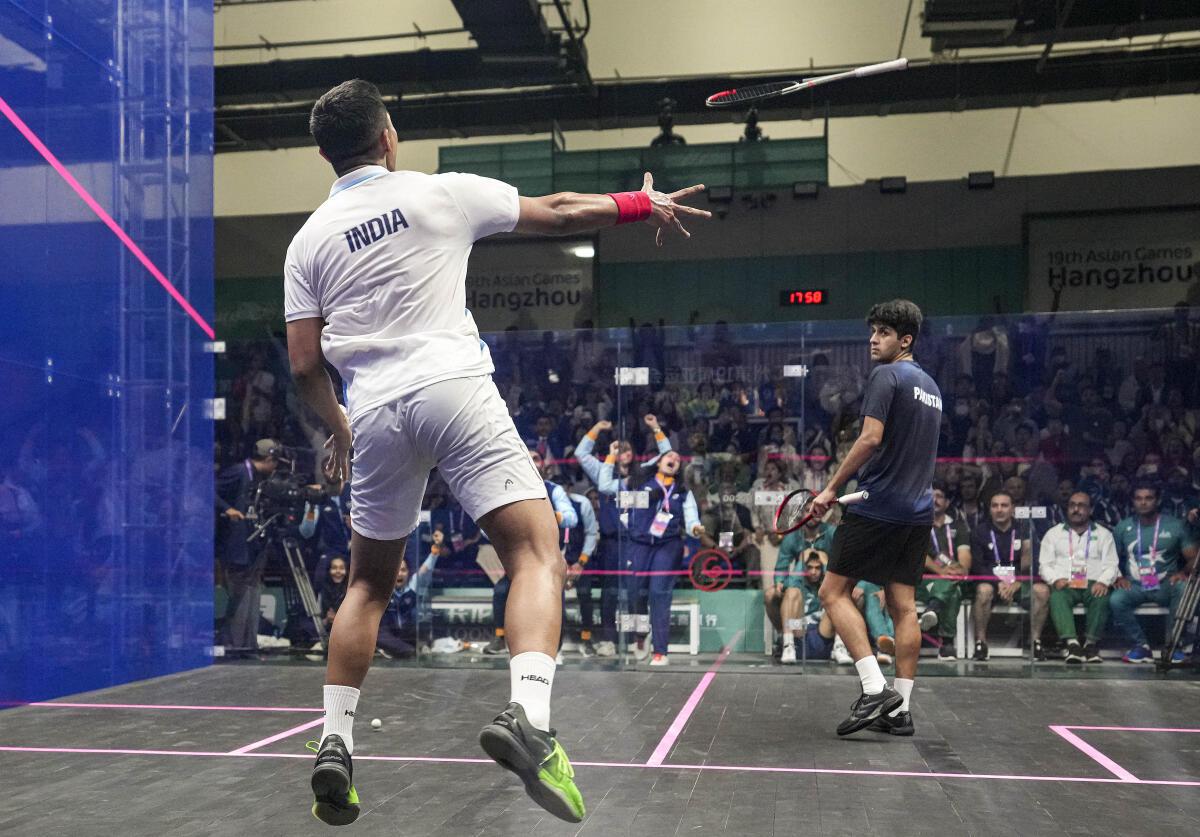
1039 653
899 724
869 707
777 650
1074 654
586 648
496 647
947 652
981 652
1091 653
336 800
538 760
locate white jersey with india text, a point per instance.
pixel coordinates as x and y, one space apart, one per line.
384 262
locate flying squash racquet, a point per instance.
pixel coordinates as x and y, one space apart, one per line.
758 92
796 509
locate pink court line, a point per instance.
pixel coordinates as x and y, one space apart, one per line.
736 574
1094 754
95 206
65 705
279 736
1131 729
668 740
571 460
619 765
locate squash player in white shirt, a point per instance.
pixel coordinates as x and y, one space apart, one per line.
374 283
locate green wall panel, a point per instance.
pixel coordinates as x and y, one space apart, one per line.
969 280
537 168
249 307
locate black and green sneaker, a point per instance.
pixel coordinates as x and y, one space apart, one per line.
898 724
538 760
336 800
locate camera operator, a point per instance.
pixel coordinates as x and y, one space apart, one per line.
242 562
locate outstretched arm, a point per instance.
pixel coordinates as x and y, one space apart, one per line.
583 451
571 213
660 438
607 481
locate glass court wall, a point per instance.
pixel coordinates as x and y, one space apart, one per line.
105 446
1040 415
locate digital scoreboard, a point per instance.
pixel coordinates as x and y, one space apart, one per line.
803 297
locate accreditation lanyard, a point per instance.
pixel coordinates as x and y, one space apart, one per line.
1012 548
658 526
1146 568
666 500
811 543
946 559
1079 568
1153 543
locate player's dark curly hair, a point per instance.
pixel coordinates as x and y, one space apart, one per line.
900 315
346 121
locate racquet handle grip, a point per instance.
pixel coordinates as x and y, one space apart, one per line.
856 497
885 67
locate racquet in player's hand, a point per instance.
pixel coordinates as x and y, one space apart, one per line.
801 506
665 211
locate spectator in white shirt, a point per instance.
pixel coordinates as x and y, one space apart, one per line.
1079 562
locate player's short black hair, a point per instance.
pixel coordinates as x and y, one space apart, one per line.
940 485
900 315
347 120
1145 485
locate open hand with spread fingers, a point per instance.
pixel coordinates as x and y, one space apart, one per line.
665 210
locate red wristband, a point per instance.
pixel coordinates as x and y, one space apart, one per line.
631 206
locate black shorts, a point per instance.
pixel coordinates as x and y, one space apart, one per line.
879 552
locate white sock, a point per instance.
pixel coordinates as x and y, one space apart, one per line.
870 675
789 639
904 687
532 677
341 702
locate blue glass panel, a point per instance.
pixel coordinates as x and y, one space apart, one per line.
105 450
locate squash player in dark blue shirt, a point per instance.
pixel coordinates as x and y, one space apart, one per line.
882 539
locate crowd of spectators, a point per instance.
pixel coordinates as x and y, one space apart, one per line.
1040 415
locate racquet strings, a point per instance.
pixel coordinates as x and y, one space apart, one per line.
750 93
795 509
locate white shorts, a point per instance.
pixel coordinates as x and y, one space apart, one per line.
462 428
